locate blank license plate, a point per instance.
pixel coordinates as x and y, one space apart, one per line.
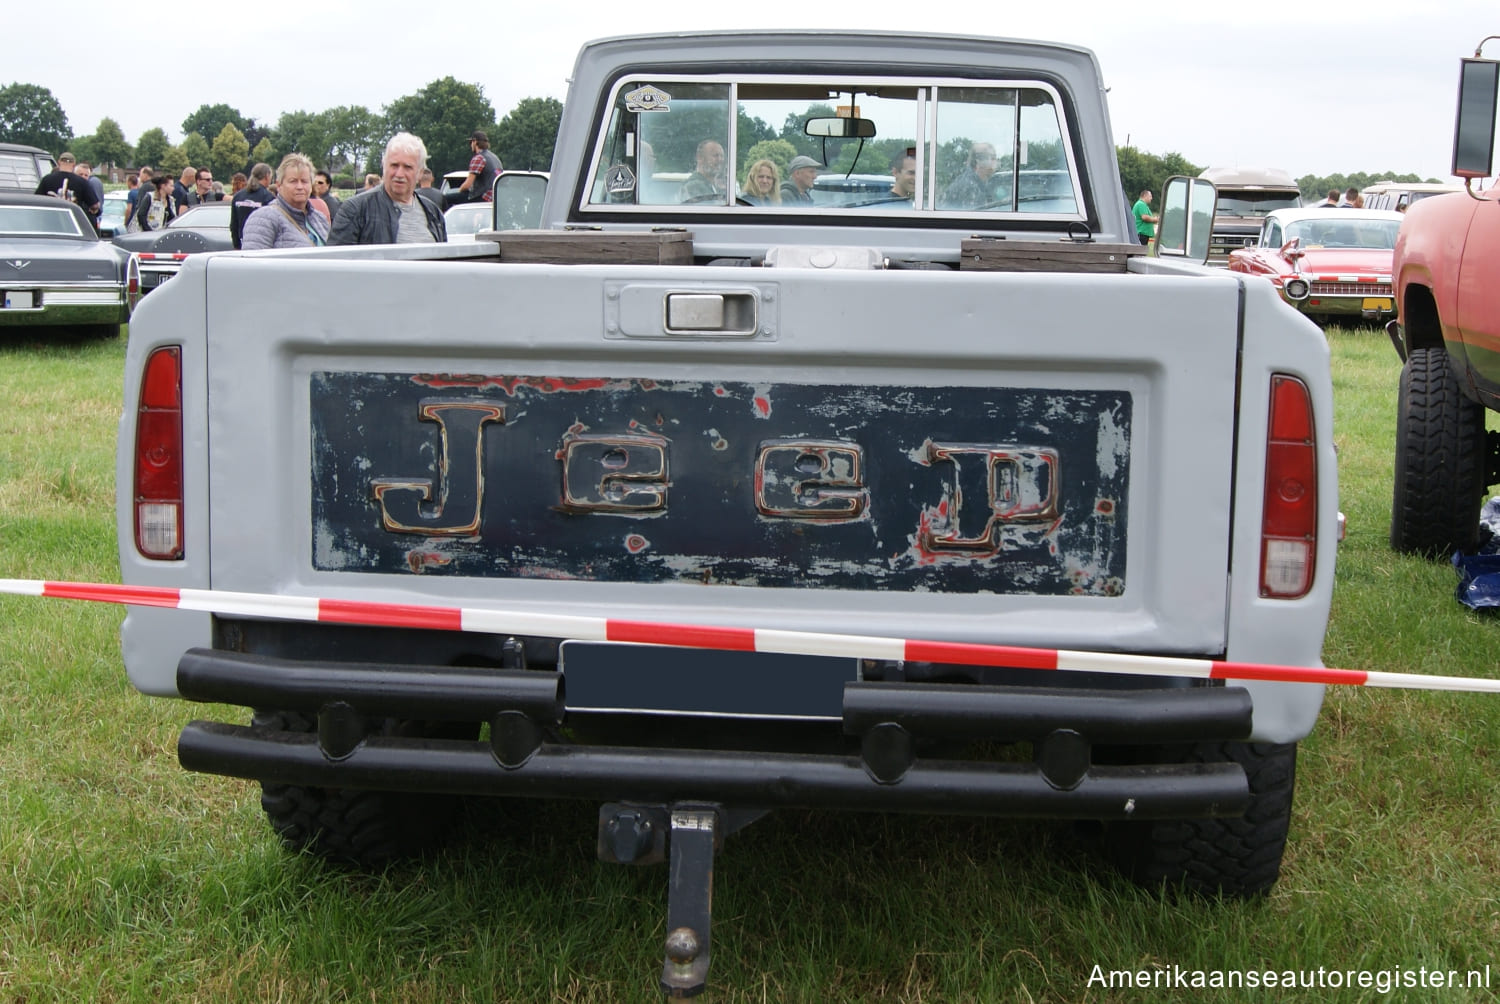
651 679
1377 303
22 299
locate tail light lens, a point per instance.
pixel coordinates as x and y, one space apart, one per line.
133 282
1289 518
158 457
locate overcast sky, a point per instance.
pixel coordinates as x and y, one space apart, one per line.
1375 92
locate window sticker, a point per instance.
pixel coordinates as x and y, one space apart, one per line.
619 178
648 99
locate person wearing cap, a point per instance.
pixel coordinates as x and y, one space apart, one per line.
802 172
707 182
64 184
484 168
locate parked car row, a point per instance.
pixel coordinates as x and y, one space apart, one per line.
56 271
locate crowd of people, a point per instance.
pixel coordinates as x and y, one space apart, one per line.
294 205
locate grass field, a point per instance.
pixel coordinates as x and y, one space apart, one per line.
123 878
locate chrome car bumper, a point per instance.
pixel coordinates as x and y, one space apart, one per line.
1369 301
23 305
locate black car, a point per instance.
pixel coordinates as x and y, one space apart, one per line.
54 269
161 252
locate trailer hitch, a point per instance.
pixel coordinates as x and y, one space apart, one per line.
690 895
686 834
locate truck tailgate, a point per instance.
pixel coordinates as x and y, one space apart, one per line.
799 450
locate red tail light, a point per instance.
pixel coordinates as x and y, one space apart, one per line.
133 282
1289 519
158 457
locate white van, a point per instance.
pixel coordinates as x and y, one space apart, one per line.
1398 195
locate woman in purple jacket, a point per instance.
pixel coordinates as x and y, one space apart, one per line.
289 220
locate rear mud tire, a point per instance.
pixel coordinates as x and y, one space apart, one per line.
369 830
1236 858
1440 460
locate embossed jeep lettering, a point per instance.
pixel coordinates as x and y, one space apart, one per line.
815 480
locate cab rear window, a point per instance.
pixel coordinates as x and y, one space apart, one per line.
772 145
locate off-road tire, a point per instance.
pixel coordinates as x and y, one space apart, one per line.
1440 460
1235 858
364 829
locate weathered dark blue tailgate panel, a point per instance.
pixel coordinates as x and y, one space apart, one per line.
941 489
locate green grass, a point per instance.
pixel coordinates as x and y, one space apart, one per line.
124 878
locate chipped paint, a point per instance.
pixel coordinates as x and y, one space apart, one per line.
511 385
746 494
1114 444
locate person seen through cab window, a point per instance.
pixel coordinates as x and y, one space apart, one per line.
763 183
706 183
904 177
976 185
802 175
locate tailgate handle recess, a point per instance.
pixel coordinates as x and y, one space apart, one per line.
716 313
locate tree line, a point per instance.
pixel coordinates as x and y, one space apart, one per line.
1140 170
347 140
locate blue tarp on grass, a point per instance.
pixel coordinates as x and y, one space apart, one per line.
1479 574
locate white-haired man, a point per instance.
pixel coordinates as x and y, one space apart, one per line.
391 213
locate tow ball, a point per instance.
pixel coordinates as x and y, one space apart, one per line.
689 833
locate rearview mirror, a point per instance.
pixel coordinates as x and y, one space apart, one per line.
1187 218
1474 133
840 128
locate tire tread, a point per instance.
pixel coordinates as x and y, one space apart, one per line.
1440 466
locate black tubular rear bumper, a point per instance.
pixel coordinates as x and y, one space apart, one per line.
889 774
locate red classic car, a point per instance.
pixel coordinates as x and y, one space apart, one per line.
1328 263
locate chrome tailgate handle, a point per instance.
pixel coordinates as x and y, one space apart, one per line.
710 313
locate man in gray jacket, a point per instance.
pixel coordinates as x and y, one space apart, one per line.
391 213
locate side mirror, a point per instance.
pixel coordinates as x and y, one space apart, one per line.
518 200
1187 218
840 128
1292 249
1474 133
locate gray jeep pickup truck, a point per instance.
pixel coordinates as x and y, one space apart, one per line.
967 409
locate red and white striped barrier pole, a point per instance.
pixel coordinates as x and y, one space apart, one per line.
376 614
